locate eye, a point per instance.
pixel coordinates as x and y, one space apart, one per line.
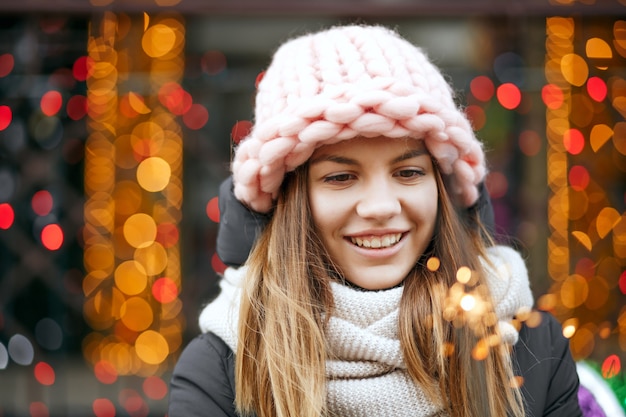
409 173
338 178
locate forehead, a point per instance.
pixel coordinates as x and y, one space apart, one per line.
360 145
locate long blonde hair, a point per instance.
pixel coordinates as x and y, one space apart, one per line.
281 351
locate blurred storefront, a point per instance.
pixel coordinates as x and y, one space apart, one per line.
117 118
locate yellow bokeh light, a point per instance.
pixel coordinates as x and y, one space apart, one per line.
619 136
560 27
140 230
151 347
574 291
137 102
92 281
433 264
607 219
128 197
574 69
583 238
136 314
463 275
153 258
600 134
99 257
468 302
131 278
598 48
158 40
153 174
569 327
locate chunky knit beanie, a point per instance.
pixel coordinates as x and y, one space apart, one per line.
347 82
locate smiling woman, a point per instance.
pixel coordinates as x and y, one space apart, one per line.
374 289
374 209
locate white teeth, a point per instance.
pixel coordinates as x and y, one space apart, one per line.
377 242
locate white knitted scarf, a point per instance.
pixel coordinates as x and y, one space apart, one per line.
366 374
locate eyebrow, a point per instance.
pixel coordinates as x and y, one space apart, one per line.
413 153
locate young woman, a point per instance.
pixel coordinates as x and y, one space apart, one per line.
373 289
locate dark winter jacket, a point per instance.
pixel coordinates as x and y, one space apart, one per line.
203 381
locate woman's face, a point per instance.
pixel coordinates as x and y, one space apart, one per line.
374 204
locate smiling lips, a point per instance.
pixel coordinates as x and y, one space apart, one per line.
376 242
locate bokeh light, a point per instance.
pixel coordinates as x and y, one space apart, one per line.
7 216
240 130
51 103
153 174
552 96
154 387
482 88
213 209
52 236
164 290
42 202
597 89
509 96
7 62
103 407
196 117
21 350
44 373
6 116
574 141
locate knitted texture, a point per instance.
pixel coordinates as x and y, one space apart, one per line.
366 372
345 82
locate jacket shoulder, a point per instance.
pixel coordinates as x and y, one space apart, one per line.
203 381
543 360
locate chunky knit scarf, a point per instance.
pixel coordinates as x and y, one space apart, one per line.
366 374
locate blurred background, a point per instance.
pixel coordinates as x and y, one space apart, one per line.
117 119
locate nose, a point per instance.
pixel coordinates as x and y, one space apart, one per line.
379 201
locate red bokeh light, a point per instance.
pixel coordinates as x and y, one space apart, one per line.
259 78
196 117
476 116
482 88
103 407
154 388
76 107
530 143
167 234
133 403
552 96
7 216
509 96
578 177
611 366
105 372
574 141
6 116
38 409
44 373
83 68
175 98
51 103
240 130
213 62
164 290
7 62
622 282
213 209
52 236
217 264
596 88
497 184
42 203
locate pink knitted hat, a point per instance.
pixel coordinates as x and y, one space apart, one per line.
346 82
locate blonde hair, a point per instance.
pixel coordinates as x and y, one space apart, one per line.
281 351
